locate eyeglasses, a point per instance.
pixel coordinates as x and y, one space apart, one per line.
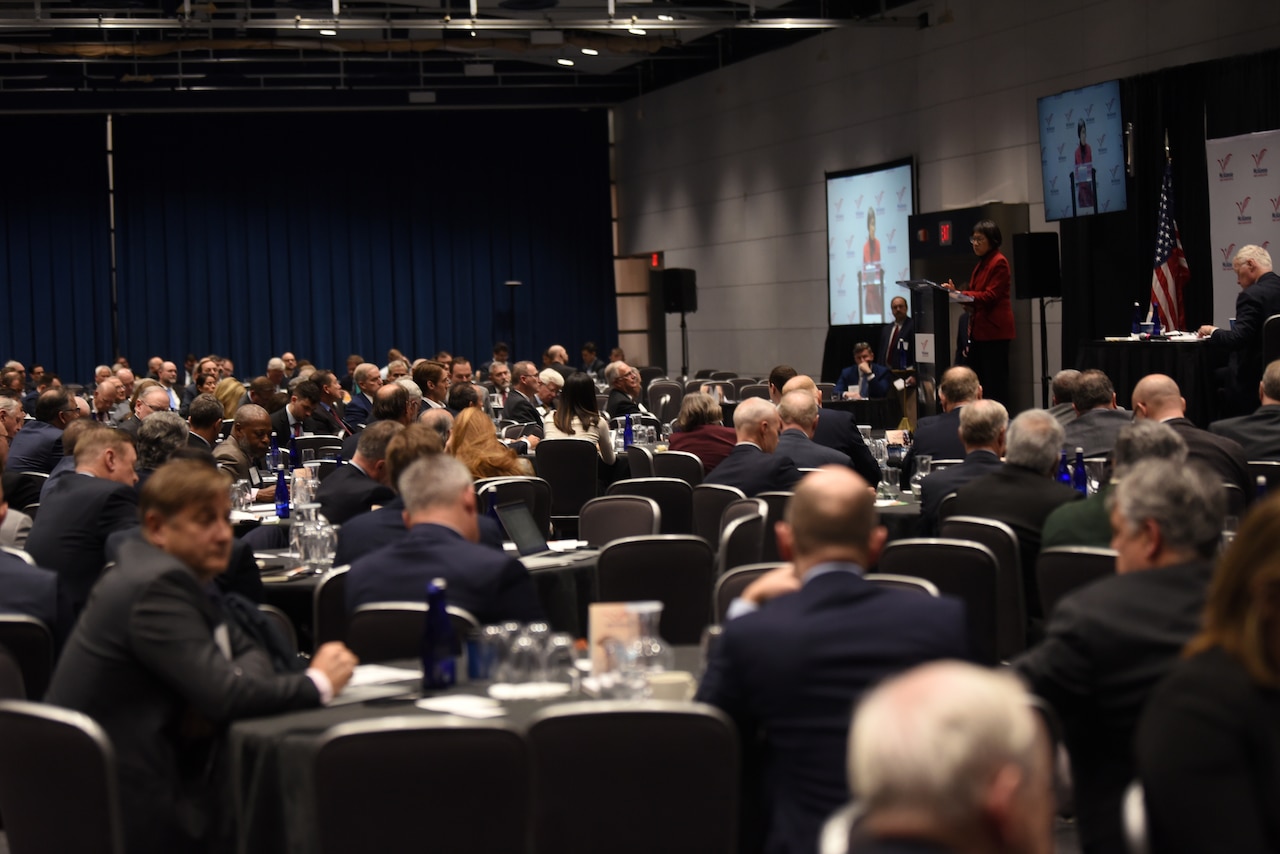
156 408
978 238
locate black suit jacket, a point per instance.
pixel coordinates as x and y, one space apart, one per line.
620 404
939 484
1258 434
490 584
310 424
368 532
1106 647
326 422
836 429
37 447
21 490
348 491
1254 305
521 411
1222 456
806 453
70 533
359 410
753 471
905 349
1095 431
794 670
935 435
33 591
153 660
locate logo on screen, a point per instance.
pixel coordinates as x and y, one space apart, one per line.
1275 209
1042 153
1066 117
1111 108
848 244
1223 163
889 239
1053 184
1061 147
904 274
831 246
1106 205
1088 111
840 282
839 204
1066 212
1259 171
879 199
1102 144
1226 255
1048 122
902 205
1243 218
1115 177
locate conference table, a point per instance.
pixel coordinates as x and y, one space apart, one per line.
1191 363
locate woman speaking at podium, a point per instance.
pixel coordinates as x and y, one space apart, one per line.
990 313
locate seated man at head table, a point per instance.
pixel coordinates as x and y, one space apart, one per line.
949 757
1259 432
1259 299
804 642
155 662
1110 642
864 379
983 426
1097 421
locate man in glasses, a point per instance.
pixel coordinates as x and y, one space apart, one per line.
625 397
38 447
523 400
151 401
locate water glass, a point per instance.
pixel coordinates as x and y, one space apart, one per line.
308 456
558 662
241 495
865 430
523 662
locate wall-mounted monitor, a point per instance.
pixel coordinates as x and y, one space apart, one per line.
1082 152
867 247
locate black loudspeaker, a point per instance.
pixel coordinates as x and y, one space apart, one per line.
1037 272
679 290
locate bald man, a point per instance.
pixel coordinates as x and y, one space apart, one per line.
752 466
1156 397
794 670
834 428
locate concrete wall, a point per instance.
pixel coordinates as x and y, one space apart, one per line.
724 173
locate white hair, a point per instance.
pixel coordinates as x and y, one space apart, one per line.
1254 253
275 364
415 393
552 377
1034 441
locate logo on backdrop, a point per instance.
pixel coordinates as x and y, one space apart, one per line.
879 199
1115 170
1243 205
839 204
1053 185
1259 171
902 205
1066 212
1048 122
889 237
848 244
1088 111
1102 143
1110 108
1223 173
1066 117
1227 255
1275 209
1061 156
857 205
840 284
904 274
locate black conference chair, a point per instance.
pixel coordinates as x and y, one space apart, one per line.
1237 501
385 631
777 503
1003 543
29 643
673 495
640 460
741 542
709 503
665 397
828 390
739 383
329 607
613 517
374 777
681 464
58 789
724 375
1269 469
650 374
279 619
569 467
1061 569
1271 339
673 569
754 390
324 446
532 492
908 583
656 742
704 373
960 568
729 585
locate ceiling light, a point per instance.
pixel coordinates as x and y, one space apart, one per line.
590 51
565 62
635 31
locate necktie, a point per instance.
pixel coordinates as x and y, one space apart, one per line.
891 357
862 386
297 428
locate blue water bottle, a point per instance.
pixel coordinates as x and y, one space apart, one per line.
628 434
1137 319
282 492
1064 470
295 461
1155 321
439 660
1081 479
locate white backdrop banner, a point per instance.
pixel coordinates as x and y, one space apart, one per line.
1244 207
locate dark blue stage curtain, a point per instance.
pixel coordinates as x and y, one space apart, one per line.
54 244
329 234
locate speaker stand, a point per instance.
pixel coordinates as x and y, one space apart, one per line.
684 347
1045 379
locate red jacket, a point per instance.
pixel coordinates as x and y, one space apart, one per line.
992 318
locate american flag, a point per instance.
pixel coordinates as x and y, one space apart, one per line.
1171 270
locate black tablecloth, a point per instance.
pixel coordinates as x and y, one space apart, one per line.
1190 363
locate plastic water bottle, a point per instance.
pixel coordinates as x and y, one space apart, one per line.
1081 479
439 662
1064 470
282 492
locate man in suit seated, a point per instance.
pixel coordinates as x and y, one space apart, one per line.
1022 492
939 435
442 542
367 379
27 589
864 379
1259 299
83 508
898 339
1061 391
950 757
154 660
328 414
363 482
1259 432
806 640
294 418
1110 642
432 378
1097 421
834 428
798 412
982 430
752 465
522 402
624 399
37 447
204 419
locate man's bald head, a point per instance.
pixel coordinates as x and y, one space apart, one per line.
831 517
1157 397
800 382
756 420
959 386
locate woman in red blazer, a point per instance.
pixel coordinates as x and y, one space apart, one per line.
991 313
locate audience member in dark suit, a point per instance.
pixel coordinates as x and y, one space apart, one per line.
864 379
204 421
1098 422
752 466
591 361
1061 390
82 509
701 431
442 542
1259 298
996 755
30 590
1157 397
522 402
898 339
363 482
38 445
939 435
798 412
1109 643
835 429
819 636
1259 432
328 414
1022 492
156 663
367 380
982 429
1208 745
624 399
295 417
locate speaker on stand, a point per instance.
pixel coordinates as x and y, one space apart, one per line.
1038 275
680 294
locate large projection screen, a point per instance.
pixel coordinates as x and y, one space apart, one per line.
867 245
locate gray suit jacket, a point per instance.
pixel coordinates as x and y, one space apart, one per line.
230 456
1258 433
1096 431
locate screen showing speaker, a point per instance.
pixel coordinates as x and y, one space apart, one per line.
1082 152
867 251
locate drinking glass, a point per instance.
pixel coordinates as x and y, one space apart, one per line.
523 662
558 659
308 456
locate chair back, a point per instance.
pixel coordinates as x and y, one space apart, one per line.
1012 603
703 373
828 390
58 789
373 777
939 465
709 503
322 445
739 383
29 643
1270 469
960 568
673 569
513 431
654 741
640 459
32 510
665 398
385 631
1271 339
777 503
754 390
681 464
742 542
729 585
673 495
281 621
650 374
613 517
569 468
1237 501
520 488
724 375
1061 569
908 583
329 607
944 506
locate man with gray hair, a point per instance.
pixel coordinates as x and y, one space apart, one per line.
550 382
951 757
1259 432
752 465
1098 421
1060 391
798 412
1088 522
1110 642
983 424
1022 492
1259 298
366 379
158 438
442 542
624 399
